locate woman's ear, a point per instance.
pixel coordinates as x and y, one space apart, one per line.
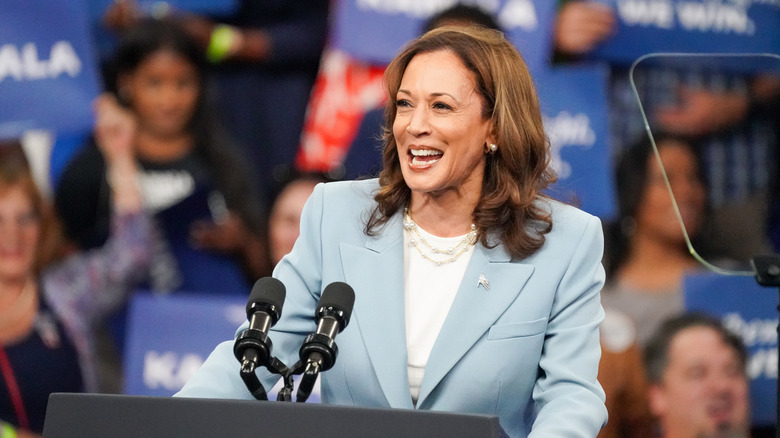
490 145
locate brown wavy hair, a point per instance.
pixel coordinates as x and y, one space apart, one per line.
15 172
516 174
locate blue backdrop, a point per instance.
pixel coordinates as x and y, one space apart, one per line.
47 73
574 108
374 30
709 26
170 336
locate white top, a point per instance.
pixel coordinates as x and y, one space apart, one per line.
429 291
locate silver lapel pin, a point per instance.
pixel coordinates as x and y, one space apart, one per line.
483 281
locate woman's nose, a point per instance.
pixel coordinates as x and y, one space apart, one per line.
418 123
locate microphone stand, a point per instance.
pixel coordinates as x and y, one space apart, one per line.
253 348
261 345
256 388
767 268
309 372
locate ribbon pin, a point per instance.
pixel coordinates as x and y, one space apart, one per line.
483 281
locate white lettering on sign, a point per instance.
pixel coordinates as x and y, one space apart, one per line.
756 331
715 17
712 16
25 63
411 8
513 14
519 13
652 13
762 364
567 130
168 370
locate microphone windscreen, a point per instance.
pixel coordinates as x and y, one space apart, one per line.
267 291
339 296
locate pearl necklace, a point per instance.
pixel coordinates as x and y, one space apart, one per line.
452 253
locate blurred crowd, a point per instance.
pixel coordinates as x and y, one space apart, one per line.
193 180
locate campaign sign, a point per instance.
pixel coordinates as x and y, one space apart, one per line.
691 26
170 336
574 108
150 7
47 73
750 311
375 30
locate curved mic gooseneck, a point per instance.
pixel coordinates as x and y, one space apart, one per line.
319 350
253 346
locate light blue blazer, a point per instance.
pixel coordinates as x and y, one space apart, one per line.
525 349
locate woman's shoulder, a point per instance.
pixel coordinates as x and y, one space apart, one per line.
355 191
566 217
571 229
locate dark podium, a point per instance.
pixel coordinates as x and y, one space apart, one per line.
121 416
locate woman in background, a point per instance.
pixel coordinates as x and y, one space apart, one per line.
48 310
647 256
191 180
284 222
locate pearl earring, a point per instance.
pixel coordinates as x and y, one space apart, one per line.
493 147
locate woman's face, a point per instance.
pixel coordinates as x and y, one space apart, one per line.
19 234
439 130
284 223
163 93
656 214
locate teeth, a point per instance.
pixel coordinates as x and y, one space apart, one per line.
425 152
418 162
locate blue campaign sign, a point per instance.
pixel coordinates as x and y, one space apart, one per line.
374 30
751 312
574 107
217 7
691 26
170 336
48 76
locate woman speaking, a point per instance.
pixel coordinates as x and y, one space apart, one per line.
475 292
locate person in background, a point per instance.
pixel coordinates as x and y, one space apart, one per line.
647 256
727 115
284 222
50 305
192 179
622 374
698 380
209 233
264 58
581 25
475 292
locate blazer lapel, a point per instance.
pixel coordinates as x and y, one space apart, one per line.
376 273
491 283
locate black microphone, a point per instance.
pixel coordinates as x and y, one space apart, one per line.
264 308
318 352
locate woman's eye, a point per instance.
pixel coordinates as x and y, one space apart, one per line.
441 105
402 102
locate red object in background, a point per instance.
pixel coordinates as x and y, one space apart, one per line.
344 91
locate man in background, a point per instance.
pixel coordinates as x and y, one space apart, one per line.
698 386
